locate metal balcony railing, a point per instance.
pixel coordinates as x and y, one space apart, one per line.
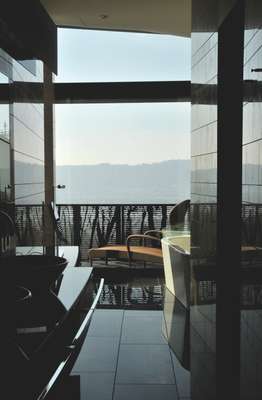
91 225
94 225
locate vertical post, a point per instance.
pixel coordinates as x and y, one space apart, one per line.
229 201
12 145
77 222
48 94
118 224
123 238
150 211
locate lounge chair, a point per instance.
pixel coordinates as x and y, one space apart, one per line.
144 252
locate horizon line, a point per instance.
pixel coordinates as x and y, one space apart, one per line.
122 164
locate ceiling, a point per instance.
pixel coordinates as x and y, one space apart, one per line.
156 16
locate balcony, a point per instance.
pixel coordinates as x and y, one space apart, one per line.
95 225
91 225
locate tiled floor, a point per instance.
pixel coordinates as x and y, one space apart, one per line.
125 356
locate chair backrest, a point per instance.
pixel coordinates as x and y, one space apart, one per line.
178 213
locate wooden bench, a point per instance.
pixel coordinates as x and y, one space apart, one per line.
142 253
127 252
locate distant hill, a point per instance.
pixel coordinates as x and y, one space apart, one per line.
163 182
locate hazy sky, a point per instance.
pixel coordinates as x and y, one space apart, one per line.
121 133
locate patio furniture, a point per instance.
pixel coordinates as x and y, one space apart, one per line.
127 252
144 251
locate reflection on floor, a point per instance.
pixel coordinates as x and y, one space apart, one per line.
125 355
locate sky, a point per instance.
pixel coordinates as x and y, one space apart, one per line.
121 133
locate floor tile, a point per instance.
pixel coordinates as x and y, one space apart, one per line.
96 386
106 323
183 380
150 313
97 355
144 364
142 328
145 392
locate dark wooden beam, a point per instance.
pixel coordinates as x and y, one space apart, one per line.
123 92
5 93
126 92
31 92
